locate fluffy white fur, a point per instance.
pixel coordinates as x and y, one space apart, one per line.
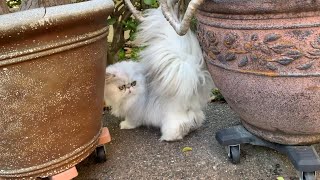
174 83
120 76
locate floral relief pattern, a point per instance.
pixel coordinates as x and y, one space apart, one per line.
269 51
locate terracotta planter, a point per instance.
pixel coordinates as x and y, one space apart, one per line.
52 65
264 57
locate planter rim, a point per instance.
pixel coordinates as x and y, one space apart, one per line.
39 20
242 7
20 21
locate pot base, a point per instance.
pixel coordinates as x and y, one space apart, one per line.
282 138
305 159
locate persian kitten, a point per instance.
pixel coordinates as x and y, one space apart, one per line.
168 88
124 85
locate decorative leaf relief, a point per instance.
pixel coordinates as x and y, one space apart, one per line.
284 60
270 52
221 58
212 55
230 56
301 35
280 48
271 66
238 51
201 36
254 37
311 56
248 46
294 54
211 61
214 50
256 46
315 52
271 37
315 45
230 39
318 39
263 62
211 36
305 66
254 57
243 62
265 49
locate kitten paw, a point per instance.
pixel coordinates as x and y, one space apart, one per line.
168 138
126 125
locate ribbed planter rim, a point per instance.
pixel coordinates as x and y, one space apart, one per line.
259 6
46 18
42 17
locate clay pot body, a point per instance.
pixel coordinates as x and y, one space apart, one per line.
264 57
52 65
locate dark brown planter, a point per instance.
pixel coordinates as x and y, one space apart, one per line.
52 65
264 57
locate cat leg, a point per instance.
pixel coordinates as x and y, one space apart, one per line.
128 124
196 117
175 126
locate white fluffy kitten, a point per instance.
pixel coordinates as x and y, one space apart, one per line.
176 87
124 85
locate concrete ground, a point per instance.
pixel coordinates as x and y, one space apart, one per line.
138 154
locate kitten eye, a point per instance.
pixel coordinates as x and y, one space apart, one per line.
133 83
121 87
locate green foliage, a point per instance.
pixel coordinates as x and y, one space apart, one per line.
122 54
218 95
131 25
135 53
123 22
111 21
152 3
129 53
193 24
13 3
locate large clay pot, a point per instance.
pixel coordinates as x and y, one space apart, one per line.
51 87
264 57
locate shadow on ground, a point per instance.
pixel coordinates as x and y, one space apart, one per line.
138 154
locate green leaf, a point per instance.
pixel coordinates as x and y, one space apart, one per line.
149 2
122 54
193 24
111 21
155 5
217 94
131 25
280 178
185 149
132 35
135 53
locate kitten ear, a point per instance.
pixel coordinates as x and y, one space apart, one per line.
109 76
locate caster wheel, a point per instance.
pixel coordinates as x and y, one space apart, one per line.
234 154
101 154
308 176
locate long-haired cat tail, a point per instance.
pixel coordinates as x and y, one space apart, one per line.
175 73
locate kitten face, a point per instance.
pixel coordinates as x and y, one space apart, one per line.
126 77
128 87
